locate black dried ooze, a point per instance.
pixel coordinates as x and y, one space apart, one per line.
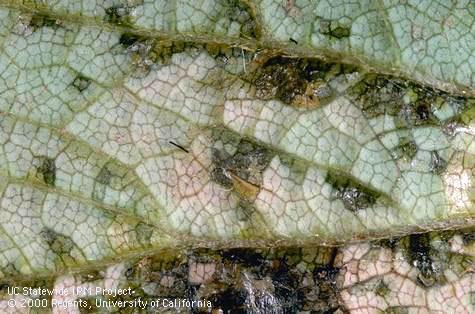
129 39
412 104
353 195
47 171
301 82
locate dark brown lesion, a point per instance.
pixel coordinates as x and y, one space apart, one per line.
412 104
300 82
241 170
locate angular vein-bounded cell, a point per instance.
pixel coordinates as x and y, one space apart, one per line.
129 129
188 86
214 17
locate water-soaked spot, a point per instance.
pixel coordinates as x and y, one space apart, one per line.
57 242
353 195
81 83
423 112
29 23
298 82
419 252
102 182
104 176
406 149
61 245
47 170
437 164
245 211
460 264
285 287
382 289
244 280
144 233
451 127
334 29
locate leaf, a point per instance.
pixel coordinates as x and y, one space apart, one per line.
129 127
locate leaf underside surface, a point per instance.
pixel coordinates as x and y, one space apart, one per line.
130 129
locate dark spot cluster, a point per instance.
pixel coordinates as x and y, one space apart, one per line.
244 280
353 195
284 291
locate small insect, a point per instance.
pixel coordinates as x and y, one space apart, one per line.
293 40
179 146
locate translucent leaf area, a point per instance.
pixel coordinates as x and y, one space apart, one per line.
135 133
